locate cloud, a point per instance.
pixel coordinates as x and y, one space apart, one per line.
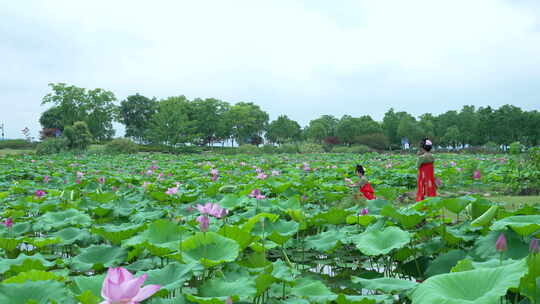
301 58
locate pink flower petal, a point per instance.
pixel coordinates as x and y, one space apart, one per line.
146 292
132 287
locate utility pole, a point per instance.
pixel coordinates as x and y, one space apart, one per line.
2 127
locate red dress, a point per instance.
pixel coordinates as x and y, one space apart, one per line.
426 182
368 191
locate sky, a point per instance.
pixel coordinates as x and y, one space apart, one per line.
299 58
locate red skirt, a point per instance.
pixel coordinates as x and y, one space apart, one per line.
426 182
368 191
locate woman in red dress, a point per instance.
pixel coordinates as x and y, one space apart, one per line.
426 174
365 186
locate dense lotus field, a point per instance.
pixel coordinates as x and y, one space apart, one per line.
269 229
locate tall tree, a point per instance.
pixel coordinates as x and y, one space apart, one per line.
468 123
247 121
409 128
136 112
94 107
170 125
208 115
321 128
283 130
52 119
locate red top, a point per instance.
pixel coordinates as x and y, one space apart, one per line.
368 191
426 182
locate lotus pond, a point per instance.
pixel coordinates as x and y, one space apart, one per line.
281 229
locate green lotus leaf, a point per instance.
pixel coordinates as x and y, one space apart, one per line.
248 226
363 220
387 285
484 247
61 219
33 275
171 276
313 290
103 197
523 225
210 249
88 297
9 244
216 290
71 235
98 257
24 263
92 284
486 217
40 292
231 201
179 299
445 262
530 284
463 265
334 216
455 235
477 286
408 218
282 271
242 237
371 299
377 242
457 204
325 241
116 234
160 238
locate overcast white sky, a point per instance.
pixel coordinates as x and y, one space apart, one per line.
300 58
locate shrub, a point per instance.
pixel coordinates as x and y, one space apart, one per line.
16 144
52 145
78 136
248 149
377 141
360 149
269 149
288 148
121 145
48 132
341 149
492 147
310 148
516 148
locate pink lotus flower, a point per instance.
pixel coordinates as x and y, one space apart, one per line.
459 169
204 221
77 181
145 184
476 174
80 174
154 167
101 180
8 222
40 193
501 245
172 191
261 176
243 164
214 171
256 193
275 173
364 211
453 163
213 210
334 167
114 188
169 174
388 165
229 300
120 287
348 180
46 179
149 172
533 247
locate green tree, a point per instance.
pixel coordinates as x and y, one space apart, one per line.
52 119
78 136
136 112
283 130
95 107
321 128
509 123
468 123
452 136
409 128
208 115
246 120
170 125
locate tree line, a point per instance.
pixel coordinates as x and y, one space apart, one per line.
177 120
